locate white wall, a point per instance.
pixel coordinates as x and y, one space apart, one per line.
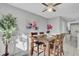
59 25
63 25
56 25
23 17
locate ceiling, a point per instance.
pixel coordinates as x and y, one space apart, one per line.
69 10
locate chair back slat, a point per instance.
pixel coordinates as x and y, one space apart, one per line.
41 32
34 33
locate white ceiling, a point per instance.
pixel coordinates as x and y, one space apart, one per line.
69 10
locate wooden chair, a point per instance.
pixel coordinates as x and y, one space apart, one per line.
33 38
35 44
51 45
41 32
58 45
61 44
42 38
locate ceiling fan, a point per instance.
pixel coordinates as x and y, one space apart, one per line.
50 6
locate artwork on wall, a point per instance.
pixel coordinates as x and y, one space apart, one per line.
49 27
32 25
29 26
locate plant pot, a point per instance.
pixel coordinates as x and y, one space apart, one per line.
6 50
6 54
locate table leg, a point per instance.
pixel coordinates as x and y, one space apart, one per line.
48 49
44 49
38 49
32 48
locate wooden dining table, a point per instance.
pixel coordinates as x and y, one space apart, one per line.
46 42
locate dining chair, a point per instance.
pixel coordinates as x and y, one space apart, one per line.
61 44
43 39
51 45
58 45
41 32
36 43
33 38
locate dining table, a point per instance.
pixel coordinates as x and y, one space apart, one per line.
46 41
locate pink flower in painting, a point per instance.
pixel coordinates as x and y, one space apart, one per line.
49 26
29 25
34 24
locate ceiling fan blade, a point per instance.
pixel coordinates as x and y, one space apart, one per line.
57 4
44 4
44 10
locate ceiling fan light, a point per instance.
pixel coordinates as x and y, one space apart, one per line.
49 9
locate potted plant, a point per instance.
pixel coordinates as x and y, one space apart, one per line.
7 27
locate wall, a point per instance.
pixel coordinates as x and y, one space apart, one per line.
23 17
74 29
55 22
59 25
63 25
72 22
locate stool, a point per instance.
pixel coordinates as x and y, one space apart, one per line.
37 45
